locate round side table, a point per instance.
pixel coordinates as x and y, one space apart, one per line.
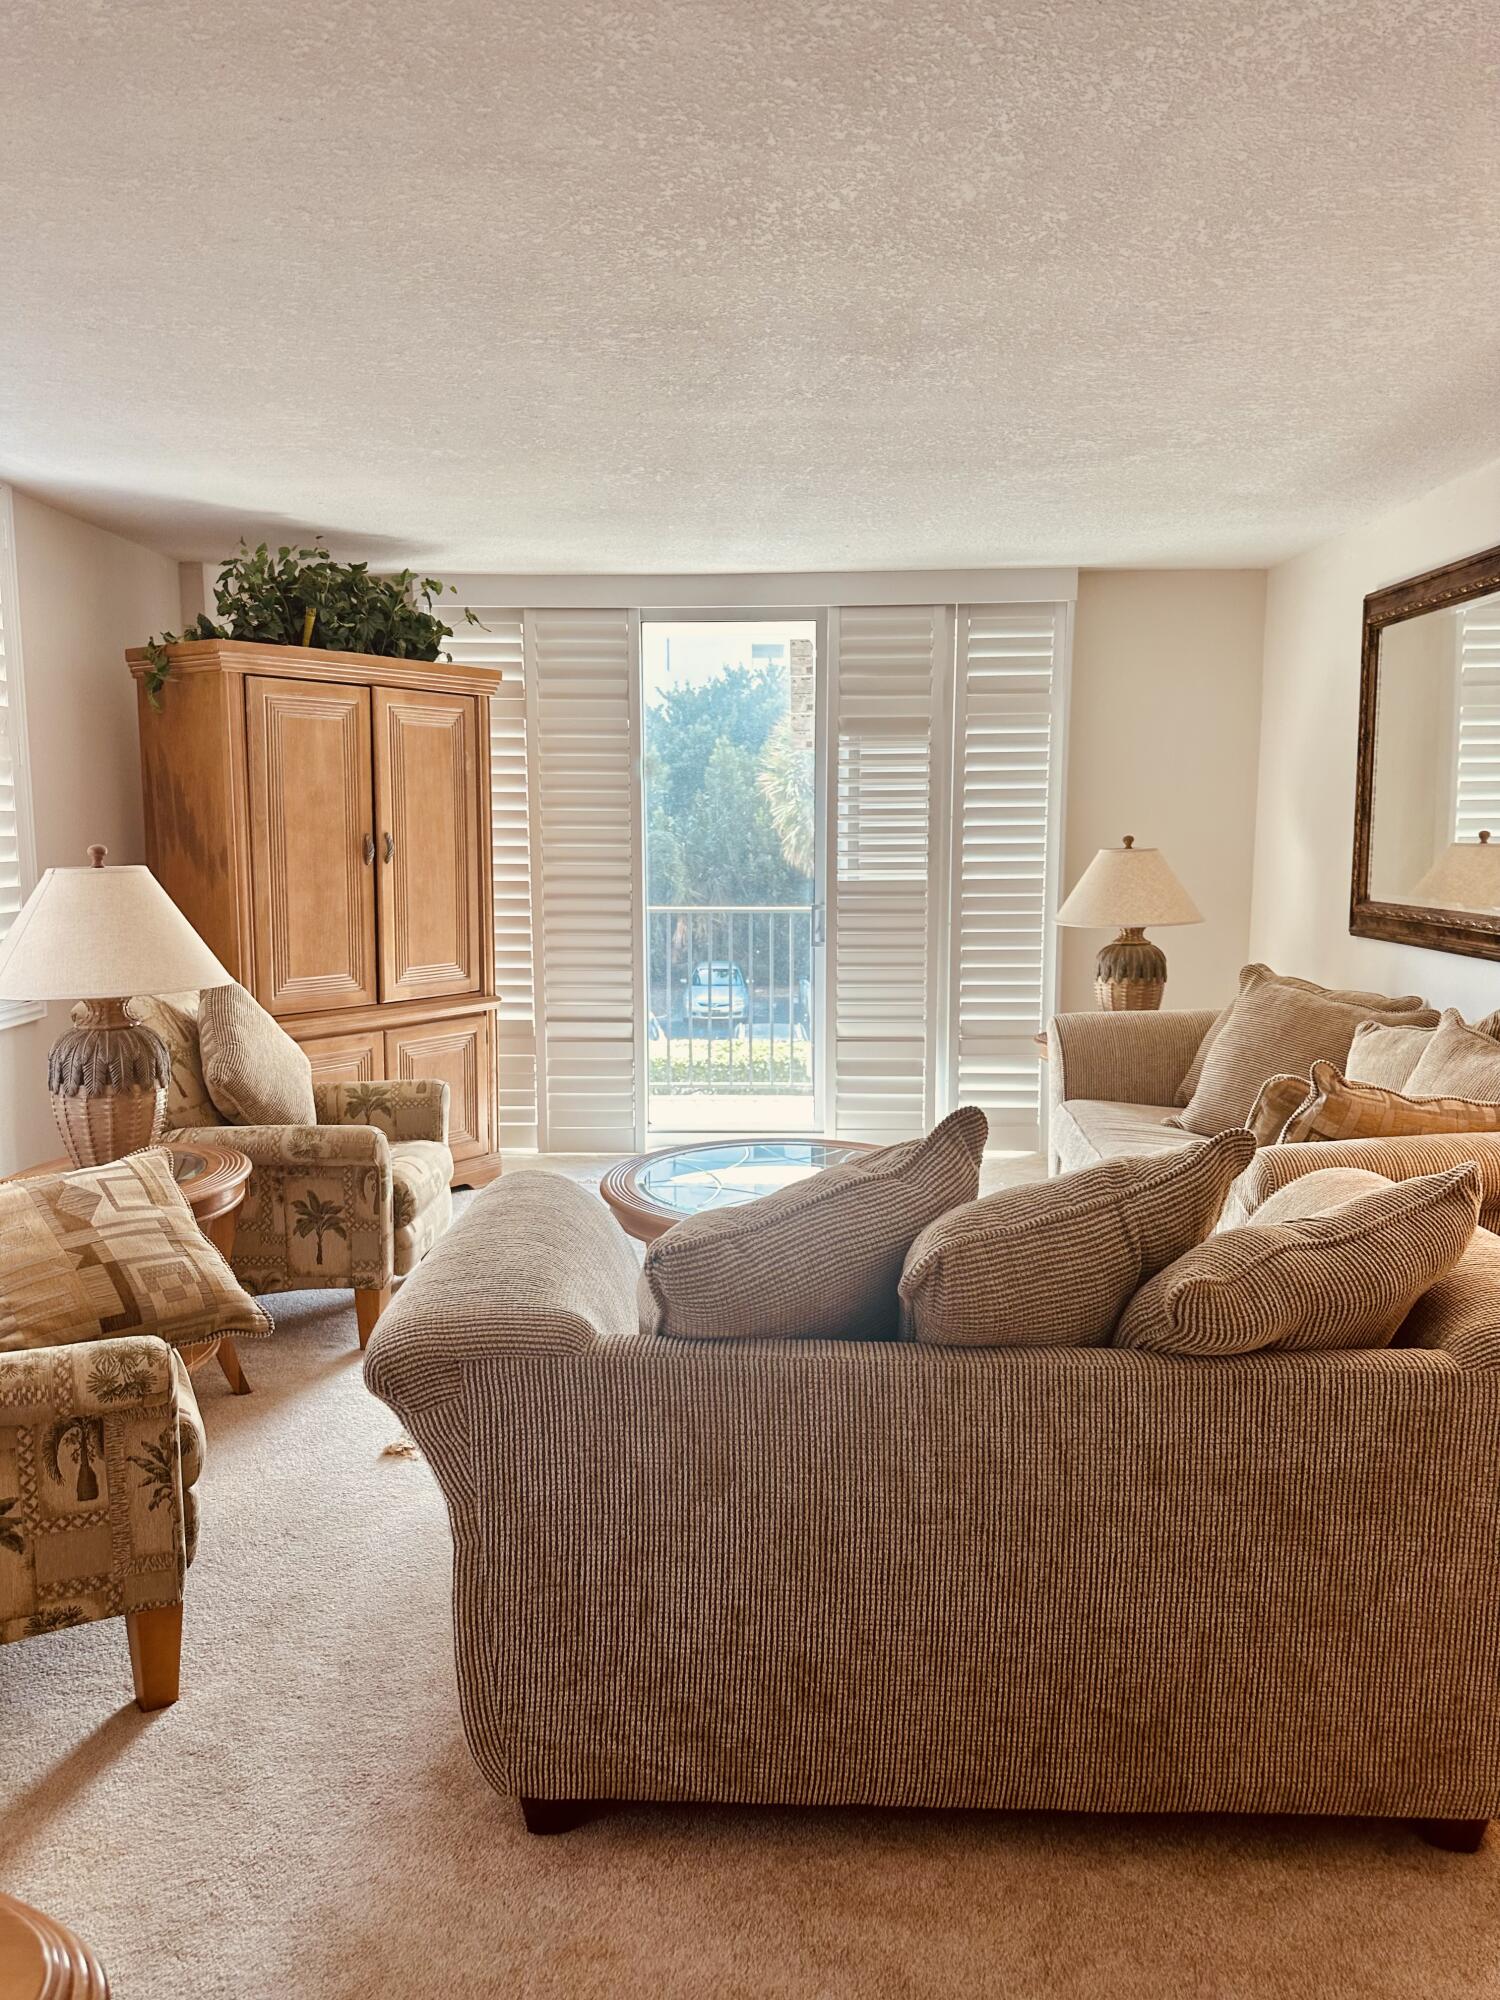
41 1959
654 1190
212 1180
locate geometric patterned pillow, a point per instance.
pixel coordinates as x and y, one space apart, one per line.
1279 1097
1335 1108
109 1251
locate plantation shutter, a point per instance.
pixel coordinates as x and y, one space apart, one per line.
1003 866
885 687
582 724
496 641
1477 792
15 830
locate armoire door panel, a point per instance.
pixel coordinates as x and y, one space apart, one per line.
427 812
312 844
458 1053
347 1058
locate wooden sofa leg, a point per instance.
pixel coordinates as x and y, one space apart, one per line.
155 1654
369 1303
229 1361
554 1815
1458 1836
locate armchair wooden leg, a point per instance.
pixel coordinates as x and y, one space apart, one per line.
229 1361
369 1303
1458 1836
155 1654
554 1815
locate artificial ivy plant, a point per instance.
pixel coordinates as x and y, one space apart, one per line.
302 597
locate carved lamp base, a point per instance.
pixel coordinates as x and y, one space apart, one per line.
108 1076
1130 974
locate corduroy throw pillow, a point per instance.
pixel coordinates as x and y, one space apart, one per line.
255 1072
1457 1061
1055 1264
1346 1279
1385 1055
818 1260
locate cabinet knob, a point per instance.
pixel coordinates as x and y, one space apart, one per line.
369 849
390 846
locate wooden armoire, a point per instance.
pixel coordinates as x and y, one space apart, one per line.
322 820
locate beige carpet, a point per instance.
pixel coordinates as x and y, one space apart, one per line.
306 1821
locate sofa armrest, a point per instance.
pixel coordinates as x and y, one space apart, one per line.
414 1108
295 1146
1396 1159
536 1266
1123 1058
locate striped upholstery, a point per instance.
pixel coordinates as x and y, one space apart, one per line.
1396 1159
1457 1061
1055 1264
1334 1108
1259 975
1340 1280
820 1259
1385 1055
1129 1062
256 1074
885 1573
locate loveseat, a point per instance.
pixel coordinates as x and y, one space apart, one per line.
884 1573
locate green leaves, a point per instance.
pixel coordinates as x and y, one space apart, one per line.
302 597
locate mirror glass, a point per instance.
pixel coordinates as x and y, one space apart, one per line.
1435 823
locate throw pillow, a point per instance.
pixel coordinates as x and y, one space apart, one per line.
1458 1061
1347 1279
1055 1264
1385 1055
1275 1026
255 1072
1258 975
1335 1108
1318 1193
108 1251
1278 1098
818 1260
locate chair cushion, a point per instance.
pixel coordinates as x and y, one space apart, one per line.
1382 1004
819 1260
1055 1264
1276 1026
1340 1280
1457 1061
1335 1108
421 1170
109 1251
1085 1130
255 1072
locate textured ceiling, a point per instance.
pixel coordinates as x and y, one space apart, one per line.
779 284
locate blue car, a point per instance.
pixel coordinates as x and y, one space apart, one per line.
717 992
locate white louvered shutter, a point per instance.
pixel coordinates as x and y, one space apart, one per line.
1477 792
581 716
886 688
1003 870
16 869
496 641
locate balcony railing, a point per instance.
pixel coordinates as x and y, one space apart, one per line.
730 993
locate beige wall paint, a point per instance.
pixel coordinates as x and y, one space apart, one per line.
84 596
1305 819
1163 734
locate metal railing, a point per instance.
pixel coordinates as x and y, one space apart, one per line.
730 995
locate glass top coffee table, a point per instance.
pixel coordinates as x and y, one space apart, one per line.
654 1190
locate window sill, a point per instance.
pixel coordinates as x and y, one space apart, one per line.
15 1013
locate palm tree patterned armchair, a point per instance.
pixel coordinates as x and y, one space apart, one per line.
100 1448
349 1203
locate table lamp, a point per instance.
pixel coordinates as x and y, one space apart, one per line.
1465 876
98 935
1128 886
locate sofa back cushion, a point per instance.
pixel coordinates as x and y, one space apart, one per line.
1457 1061
109 1251
818 1260
1055 1264
1382 1004
1275 1026
1336 1280
1335 1108
255 1072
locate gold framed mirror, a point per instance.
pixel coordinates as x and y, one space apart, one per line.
1427 789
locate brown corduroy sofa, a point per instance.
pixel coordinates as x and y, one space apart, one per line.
880 1573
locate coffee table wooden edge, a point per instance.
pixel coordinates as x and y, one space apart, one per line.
641 1218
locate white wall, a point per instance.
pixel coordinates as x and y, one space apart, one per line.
1163 735
85 595
1305 820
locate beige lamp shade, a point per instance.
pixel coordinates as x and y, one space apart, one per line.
1465 877
1125 888
101 933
